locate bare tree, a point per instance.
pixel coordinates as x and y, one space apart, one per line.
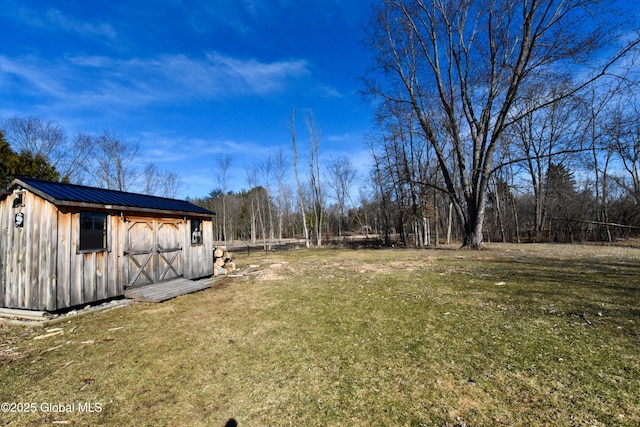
114 164
261 210
48 139
107 160
161 183
151 177
382 190
223 163
624 134
301 196
281 166
171 184
545 136
315 186
266 166
601 151
82 149
37 136
461 67
341 177
254 201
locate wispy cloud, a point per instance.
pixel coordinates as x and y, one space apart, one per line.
253 76
67 23
247 17
138 81
170 148
32 78
56 20
329 92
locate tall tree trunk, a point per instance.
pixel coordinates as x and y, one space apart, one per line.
449 223
473 237
515 218
292 129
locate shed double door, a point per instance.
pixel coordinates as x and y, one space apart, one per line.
153 251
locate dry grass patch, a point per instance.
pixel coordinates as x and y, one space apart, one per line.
514 335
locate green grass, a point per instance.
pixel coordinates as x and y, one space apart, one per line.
516 335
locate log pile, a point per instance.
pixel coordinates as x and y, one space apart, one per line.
223 261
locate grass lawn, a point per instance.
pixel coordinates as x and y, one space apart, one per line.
515 335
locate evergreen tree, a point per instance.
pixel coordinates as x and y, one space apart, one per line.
24 164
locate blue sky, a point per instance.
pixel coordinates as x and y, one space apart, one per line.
191 79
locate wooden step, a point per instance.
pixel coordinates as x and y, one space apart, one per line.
163 291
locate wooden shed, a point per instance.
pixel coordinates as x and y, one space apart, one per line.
64 245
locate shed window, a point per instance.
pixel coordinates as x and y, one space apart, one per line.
93 231
196 231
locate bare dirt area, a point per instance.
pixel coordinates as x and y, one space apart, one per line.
360 260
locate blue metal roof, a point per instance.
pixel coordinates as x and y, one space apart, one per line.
59 191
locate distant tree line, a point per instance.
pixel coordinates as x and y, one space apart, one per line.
35 147
550 189
562 193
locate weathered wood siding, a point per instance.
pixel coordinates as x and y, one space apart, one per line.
27 253
89 276
42 269
198 259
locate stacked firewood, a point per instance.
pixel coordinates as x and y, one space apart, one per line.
223 261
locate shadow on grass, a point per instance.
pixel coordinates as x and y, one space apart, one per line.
579 287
